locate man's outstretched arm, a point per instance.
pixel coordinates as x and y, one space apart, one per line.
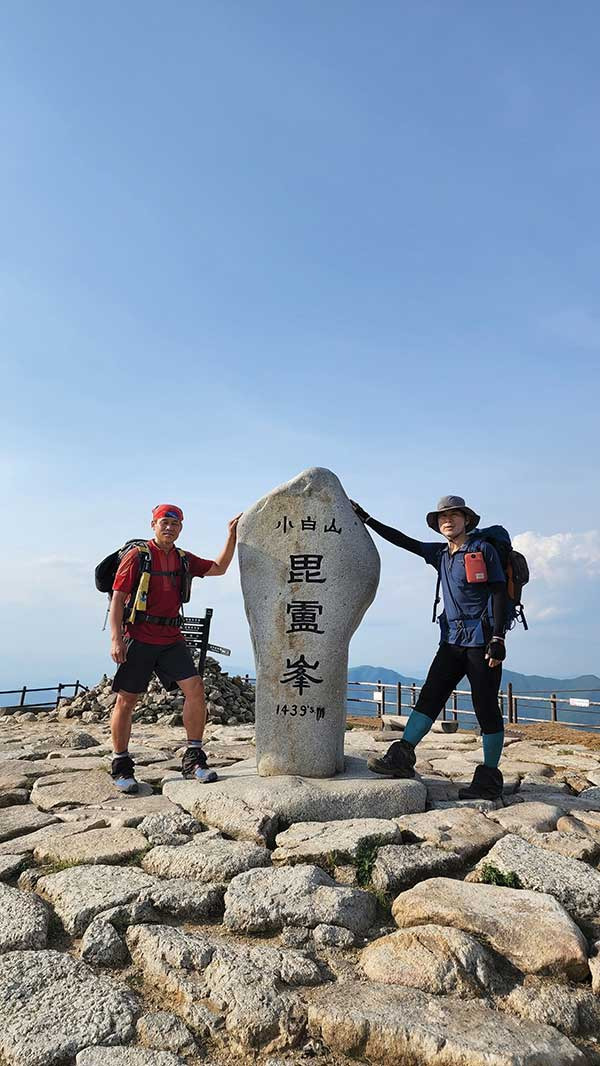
222 561
389 533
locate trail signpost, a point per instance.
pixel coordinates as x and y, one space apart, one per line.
195 631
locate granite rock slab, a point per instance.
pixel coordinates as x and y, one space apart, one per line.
262 901
23 921
401 1025
20 819
301 548
126 1056
573 1011
48 835
400 865
79 789
81 892
37 1030
248 807
541 817
92 846
433 958
317 842
185 899
463 830
164 1030
574 884
10 865
205 860
249 990
544 939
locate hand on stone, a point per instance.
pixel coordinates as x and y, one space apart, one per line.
233 524
360 511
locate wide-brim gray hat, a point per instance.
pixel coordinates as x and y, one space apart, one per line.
453 503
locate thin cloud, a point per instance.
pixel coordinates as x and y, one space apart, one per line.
561 557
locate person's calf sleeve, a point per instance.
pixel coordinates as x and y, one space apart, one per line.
492 748
417 726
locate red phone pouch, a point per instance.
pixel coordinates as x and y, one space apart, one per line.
475 568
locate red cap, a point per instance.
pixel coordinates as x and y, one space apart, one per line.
167 510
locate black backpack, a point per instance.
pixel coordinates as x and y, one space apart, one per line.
104 574
515 568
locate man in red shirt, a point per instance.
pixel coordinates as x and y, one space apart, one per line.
153 641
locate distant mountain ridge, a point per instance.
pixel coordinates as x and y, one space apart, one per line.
584 685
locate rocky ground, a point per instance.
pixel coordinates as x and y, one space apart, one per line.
133 932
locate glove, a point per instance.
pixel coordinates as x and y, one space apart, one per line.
496 649
362 514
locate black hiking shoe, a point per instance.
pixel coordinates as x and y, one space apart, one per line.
398 761
487 784
123 775
193 766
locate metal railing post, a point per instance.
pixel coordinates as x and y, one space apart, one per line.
413 694
510 703
553 708
515 710
455 706
399 698
23 694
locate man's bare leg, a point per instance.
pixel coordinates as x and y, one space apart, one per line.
120 723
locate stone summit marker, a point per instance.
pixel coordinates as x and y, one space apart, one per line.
309 571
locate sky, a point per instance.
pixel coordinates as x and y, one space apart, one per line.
239 240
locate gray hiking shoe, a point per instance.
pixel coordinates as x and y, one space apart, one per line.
194 767
123 775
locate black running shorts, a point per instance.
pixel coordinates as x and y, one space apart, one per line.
170 662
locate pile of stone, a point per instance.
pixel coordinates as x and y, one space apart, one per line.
230 701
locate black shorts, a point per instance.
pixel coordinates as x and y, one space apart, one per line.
170 663
450 665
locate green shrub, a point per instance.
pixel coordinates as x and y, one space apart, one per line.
491 875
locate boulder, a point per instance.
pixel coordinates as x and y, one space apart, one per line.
53 1006
400 865
93 846
541 817
81 892
24 922
574 1011
262 901
205 860
530 929
22 818
404 1025
165 1031
318 842
82 789
432 958
574 884
126 1056
462 830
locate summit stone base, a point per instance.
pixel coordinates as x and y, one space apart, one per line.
248 807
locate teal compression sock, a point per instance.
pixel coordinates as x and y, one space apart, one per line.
417 726
492 747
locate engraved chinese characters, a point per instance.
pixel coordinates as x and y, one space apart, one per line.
309 571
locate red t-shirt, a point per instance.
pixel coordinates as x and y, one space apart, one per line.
164 598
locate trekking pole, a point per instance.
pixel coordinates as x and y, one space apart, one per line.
106 615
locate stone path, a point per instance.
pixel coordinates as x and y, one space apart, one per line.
282 920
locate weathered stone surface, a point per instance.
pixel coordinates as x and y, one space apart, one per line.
332 936
248 807
212 982
574 884
432 958
569 823
462 830
20 819
261 901
80 789
23 921
403 1025
165 1031
94 846
126 1056
574 1011
131 810
543 940
541 817
81 892
52 1006
339 571
318 842
173 829
571 845
594 962
206 860
48 836
552 755
101 945
399 865
10 865
184 899
13 797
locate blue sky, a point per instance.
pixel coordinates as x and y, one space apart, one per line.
239 240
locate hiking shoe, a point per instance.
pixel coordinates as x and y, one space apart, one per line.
487 784
193 766
398 761
123 775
